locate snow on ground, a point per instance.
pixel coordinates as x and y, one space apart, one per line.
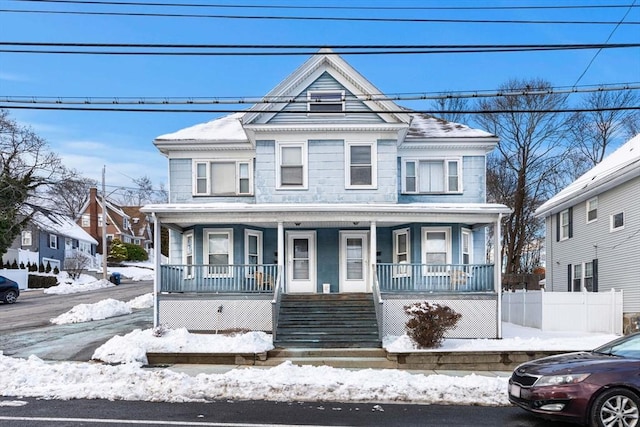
103 310
125 378
84 283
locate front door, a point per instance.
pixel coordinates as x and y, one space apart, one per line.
301 261
354 261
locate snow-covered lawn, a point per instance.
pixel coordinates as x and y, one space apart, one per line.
125 378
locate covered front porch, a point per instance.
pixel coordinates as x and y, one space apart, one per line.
390 252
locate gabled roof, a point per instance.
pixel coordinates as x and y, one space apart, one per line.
617 168
325 61
427 126
60 225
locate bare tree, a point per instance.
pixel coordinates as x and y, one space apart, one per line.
144 193
524 167
70 196
27 169
450 107
592 133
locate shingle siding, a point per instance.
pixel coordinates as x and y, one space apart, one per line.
618 252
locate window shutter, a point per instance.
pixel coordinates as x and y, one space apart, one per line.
570 222
558 227
569 278
595 275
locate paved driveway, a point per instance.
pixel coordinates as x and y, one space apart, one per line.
25 328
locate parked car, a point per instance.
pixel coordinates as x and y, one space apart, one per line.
9 290
598 388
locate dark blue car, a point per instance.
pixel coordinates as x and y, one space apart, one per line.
9 290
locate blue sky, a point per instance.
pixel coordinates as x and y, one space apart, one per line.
123 141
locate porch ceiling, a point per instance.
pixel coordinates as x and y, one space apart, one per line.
324 215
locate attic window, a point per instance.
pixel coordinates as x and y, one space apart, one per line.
325 101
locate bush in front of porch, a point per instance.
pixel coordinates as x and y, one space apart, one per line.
429 322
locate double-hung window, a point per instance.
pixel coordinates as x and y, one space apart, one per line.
252 250
86 220
222 178
592 209
467 246
565 218
325 102
426 176
577 278
218 247
53 241
291 165
188 253
436 248
361 162
26 238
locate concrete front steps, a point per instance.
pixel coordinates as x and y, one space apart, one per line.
327 321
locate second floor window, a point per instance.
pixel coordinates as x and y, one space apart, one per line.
226 178
617 221
292 166
592 209
432 176
86 220
361 165
564 228
26 238
53 241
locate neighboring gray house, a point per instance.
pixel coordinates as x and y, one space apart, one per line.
326 193
593 231
51 238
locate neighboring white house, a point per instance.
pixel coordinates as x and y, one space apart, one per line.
593 231
328 188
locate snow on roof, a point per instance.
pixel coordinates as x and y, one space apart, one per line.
426 126
226 128
61 225
624 159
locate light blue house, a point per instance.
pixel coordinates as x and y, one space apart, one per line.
326 190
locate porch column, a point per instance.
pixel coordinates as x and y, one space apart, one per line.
281 251
497 273
373 250
157 250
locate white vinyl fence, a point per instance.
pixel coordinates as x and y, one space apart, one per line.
565 311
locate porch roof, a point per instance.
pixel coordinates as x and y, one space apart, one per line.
325 214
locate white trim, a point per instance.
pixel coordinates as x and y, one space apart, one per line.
374 164
53 263
53 241
466 232
185 250
423 243
401 271
258 235
354 285
301 285
26 238
445 170
340 100
208 163
586 208
562 225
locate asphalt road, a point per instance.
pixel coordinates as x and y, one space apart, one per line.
25 327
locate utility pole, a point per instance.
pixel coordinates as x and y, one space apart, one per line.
104 225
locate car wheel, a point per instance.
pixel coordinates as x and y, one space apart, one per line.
616 407
10 297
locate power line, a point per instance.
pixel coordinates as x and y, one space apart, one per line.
246 6
235 110
318 18
542 48
228 100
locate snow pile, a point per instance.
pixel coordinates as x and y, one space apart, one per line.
82 285
287 382
135 272
103 310
134 346
143 301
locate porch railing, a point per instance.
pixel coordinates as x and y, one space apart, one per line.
243 278
435 278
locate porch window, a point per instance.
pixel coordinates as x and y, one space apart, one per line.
84 247
26 238
592 210
429 176
361 165
436 244
219 250
292 168
252 248
401 254
355 259
325 101
53 241
228 178
188 253
467 246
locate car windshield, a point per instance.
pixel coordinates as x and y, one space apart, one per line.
628 346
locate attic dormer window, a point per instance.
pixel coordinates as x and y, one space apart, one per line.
325 101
